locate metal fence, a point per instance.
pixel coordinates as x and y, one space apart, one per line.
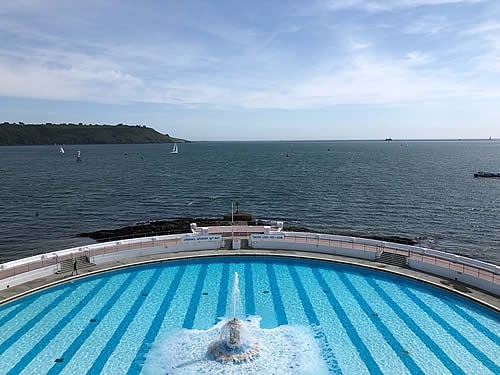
412 252
241 232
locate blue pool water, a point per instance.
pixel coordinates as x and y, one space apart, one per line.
310 317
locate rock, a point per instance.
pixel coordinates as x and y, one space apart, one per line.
183 225
152 228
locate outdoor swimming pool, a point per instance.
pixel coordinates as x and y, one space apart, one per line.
309 317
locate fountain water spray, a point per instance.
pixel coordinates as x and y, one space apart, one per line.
235 295
284 350
234 344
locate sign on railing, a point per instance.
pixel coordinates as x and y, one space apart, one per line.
267 236
212 237
446 260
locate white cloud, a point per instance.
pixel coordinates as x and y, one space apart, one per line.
360 80
431 24
244 67
186 93
386 5
52 74
490 60
359 45
486 36
416 58
365 82
483 28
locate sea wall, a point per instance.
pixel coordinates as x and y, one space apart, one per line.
313 242
468 271
27 269
160 245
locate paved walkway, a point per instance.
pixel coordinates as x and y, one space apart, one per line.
458 288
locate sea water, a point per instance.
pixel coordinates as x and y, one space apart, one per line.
423 190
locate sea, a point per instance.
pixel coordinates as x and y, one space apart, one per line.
424 190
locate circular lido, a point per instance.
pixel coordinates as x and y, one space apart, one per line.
249 315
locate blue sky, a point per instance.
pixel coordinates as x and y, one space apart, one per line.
277 70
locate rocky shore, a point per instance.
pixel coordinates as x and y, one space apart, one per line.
182 225
153 228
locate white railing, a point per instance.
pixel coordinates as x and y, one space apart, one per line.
452 262
33 263
458 263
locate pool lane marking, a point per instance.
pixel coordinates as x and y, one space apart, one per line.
12 313
32 322
25 303
278 303
249 293
137 362
113 342
55 330
459 310
398 348
222 300
358 343
472 349
87 331
333 365
195 298
451 365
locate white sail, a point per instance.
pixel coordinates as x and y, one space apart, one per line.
61 150
175 150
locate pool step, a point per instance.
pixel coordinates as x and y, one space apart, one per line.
393 259
81 262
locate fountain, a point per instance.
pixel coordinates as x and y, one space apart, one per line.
283 350
234 344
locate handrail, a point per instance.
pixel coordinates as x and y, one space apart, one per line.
453 262
476 268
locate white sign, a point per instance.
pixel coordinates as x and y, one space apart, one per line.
213 237
268 237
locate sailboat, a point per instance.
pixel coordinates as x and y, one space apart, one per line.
61 150
175 150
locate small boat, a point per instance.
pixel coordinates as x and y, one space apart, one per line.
175 150
487 174
61 150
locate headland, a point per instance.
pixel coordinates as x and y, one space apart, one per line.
20 134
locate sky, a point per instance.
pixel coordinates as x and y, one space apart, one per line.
257 70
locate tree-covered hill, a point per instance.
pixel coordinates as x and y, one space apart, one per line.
49 134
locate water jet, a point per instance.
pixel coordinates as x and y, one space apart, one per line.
234 344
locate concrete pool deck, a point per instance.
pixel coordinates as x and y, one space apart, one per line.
474 294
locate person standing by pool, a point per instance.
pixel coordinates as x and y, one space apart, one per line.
75 271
